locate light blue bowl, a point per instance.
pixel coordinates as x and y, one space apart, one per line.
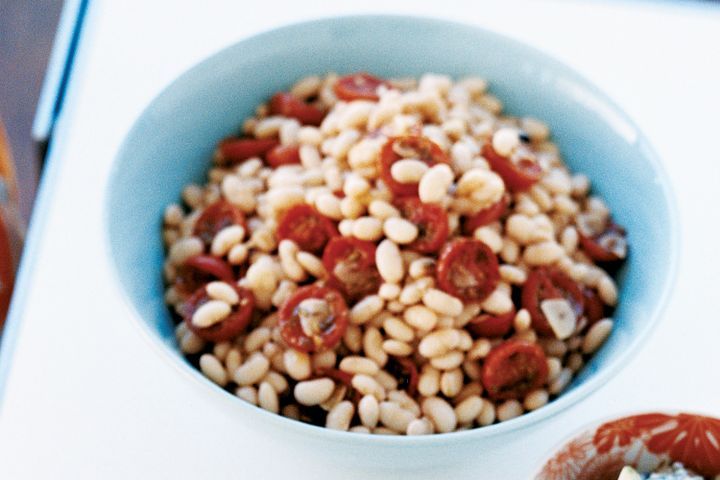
171 143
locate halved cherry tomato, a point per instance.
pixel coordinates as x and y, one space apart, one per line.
467 269
518 174
410 146
226 329
351 265
283 155
513 369
215 217
485 216
307 227
406 372
491 326
431 221
594 306
358 86
287 105
199 270
317 330
233 151
607 246
544 284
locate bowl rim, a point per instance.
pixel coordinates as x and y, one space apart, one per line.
563 402
599 422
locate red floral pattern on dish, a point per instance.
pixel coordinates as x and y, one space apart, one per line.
622 432
651 439
694 441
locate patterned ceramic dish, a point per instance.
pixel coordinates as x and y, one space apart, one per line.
644 441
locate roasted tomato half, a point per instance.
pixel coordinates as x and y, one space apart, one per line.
513 369
431 221
199 270
545 284
485 216
410 146
313 319
236 150
351 265
602 243
467 269
283 155
226 329
358 86
518 173
215 217
287 105
307 227
487 325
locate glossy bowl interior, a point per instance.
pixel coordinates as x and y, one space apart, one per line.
171 144
644 441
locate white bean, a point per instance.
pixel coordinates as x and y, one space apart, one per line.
440 413
366 309
210 313
213 369
408 170
297 364
367 228
400 230
369 411
340 416
442 303
389 261
356 364
509 410
268 398
420 317
250 372
435 182
597 335
313 392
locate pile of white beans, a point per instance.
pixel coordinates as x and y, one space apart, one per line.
408 316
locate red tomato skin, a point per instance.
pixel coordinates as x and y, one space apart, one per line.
596 251
227 329
431 220
491 326
553 282
291 330
432 154
287 105
358 86
307 227
473 255
283 155
215 217
518 365
234 151
363 259
200 269
485 216
517 178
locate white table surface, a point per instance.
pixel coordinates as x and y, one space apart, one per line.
86 396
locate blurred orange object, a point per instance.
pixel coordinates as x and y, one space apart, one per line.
11 230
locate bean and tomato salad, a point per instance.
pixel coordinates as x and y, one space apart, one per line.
391 256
